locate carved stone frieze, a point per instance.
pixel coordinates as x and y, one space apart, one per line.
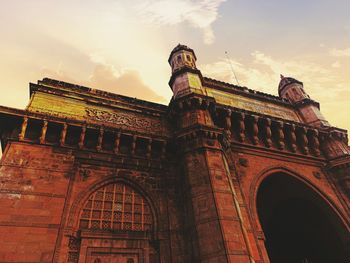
122 119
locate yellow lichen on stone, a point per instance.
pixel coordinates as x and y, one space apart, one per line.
57 105
194 81
254 105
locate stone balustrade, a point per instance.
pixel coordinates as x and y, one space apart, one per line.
239 127
84 136
272 133
264 132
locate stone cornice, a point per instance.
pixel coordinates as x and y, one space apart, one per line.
306 102
277 154
340 162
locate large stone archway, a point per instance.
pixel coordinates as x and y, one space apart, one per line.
298 224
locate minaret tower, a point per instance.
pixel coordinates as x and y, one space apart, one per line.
185 78
334 145
293 90
216 232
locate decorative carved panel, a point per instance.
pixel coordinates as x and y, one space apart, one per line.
128 120
116 207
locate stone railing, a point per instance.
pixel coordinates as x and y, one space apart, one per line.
86 136
265 131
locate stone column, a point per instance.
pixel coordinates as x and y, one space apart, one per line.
219 229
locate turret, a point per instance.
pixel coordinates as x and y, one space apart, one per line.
293 90
185 78
182 56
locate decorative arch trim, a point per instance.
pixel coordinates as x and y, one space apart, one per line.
118 207
82 198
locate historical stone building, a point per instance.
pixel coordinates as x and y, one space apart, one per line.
221 174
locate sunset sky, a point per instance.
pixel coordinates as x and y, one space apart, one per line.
122 46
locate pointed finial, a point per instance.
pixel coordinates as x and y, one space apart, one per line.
282 77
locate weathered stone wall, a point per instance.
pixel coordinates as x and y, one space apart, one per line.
43 189
198 165
33 186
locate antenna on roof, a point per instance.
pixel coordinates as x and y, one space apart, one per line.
229 61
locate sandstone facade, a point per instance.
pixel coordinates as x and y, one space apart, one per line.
221 174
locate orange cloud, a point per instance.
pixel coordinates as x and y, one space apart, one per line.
340 52
104 77
199 14
321 82
128 83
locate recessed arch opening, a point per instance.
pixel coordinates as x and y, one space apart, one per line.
116 207
299 225
116 222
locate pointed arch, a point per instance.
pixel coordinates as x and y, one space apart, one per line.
294 217
256 182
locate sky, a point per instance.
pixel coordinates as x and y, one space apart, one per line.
122 46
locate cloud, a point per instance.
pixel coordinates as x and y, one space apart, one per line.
126 82
247 76
262 73
199 14
39 54
340 52
336 64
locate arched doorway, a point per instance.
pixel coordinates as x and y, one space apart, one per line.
116 225
299 226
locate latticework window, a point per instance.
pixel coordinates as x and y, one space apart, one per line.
116 207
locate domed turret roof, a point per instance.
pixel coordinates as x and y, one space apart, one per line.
181 47
285 81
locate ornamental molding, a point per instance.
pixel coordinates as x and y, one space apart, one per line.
121 119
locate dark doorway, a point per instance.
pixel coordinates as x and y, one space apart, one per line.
299 226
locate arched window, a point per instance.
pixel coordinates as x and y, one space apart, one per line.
178 58
116 207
